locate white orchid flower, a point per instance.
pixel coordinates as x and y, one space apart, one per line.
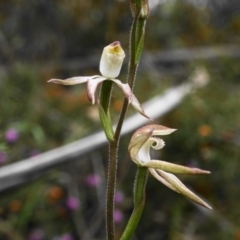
110 66
139 148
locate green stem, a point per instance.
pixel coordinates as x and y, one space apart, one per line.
113 145
111 184
132 72
105 95
139 202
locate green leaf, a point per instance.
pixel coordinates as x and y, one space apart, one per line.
139 49
106 123
140 34
103 108
139 202
105 95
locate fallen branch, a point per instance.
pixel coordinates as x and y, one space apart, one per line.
28 169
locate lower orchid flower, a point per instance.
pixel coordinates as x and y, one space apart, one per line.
110 66
139 148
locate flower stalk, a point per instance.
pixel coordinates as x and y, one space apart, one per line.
134 59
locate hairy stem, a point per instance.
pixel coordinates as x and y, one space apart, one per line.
137 32
132 72
111 184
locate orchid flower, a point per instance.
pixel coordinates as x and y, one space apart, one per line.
110 66
139 148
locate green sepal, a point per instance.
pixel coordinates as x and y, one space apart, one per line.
138 3
139 49
103 108
106 123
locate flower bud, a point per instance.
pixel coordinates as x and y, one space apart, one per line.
143 5
111 60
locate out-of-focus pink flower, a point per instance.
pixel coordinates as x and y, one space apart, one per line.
37 234
118 216
93 180
11 135
72 203
119 196
66 236
3 157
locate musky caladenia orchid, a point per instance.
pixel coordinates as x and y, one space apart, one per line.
110 66
139 148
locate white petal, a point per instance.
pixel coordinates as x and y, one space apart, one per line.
71 81
111 60
135 103
130 96
143 154
92 86
125 88
162 130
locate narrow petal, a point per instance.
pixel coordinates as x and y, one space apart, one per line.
162 130
181 188
162 180
174 168
135 103
92 86
130 97
71 81
158 129
125 88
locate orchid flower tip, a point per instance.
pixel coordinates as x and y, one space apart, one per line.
55 80
141 111
207 206
52 80
200 171
146 116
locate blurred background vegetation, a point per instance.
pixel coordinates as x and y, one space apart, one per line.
43 39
